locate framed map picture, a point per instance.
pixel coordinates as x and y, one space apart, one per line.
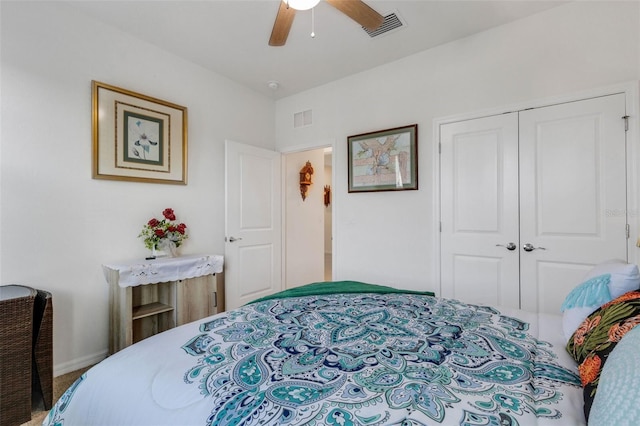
386 160
137 137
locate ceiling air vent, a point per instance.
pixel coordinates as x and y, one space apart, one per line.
391 22
302 118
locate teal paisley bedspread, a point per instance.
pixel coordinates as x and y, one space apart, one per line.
365 359
372 359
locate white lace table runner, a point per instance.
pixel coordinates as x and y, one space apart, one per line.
163 269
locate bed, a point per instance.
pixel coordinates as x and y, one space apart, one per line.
339 353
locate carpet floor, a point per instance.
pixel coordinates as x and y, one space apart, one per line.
60 384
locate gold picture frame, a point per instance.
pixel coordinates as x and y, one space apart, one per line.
137 137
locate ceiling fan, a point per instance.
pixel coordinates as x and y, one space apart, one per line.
357 10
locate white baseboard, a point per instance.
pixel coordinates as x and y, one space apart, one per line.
78 363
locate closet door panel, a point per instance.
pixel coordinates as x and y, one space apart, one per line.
479 210
572 195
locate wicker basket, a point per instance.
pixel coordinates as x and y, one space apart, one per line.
16 329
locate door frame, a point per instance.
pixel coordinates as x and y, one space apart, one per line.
632 99
326 143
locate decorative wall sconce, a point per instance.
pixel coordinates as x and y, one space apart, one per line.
327 195
305 179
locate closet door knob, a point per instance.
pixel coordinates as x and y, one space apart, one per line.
530 247
509 246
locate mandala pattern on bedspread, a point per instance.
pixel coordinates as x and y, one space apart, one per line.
372 359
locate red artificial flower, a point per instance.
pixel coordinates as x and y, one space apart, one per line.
181 228
159 233
168 213
153 222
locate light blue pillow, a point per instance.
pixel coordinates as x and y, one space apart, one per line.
616 402
593 292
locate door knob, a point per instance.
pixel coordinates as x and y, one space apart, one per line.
232 239
509 246
530 247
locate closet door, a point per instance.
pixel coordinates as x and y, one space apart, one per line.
479 216
573 195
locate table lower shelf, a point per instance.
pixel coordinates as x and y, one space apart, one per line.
149 309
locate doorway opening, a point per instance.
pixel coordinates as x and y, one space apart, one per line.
308 219
328 216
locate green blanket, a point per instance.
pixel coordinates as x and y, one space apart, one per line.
332 287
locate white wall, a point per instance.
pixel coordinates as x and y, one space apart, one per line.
304 231
58 225
388 238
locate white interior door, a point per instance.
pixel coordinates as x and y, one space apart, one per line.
573 195
253 229
479 216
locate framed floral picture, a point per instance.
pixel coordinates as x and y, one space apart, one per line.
137 137
385 160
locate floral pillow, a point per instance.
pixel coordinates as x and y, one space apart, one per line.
598 335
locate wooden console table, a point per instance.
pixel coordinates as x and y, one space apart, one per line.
147 297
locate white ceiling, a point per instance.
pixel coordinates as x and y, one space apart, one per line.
230 37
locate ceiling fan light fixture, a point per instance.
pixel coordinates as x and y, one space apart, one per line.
302 4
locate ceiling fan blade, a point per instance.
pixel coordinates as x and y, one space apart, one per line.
282 25
360 12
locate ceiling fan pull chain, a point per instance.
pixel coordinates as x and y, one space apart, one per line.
313 23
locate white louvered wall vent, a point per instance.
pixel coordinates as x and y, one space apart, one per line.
392 22
302 118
